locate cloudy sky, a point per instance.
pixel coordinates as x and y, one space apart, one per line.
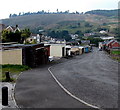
16 6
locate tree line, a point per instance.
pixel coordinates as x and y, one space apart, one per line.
60 34
107 13
44 12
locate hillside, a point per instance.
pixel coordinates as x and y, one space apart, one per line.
63 25
55 24
108 13
47 21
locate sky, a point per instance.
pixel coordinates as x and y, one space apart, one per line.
8 7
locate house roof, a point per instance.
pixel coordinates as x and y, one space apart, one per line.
33 34
21 45
13 29
115 42
107 38
111 41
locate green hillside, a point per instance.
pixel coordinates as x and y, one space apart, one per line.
108 13
47 21
92 21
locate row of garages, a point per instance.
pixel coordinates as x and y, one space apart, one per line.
35 55
63 50
30 55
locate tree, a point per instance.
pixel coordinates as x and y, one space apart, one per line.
10 15
25 34
57 11
8 36
65 35
4 35
77 12
95 40
79 33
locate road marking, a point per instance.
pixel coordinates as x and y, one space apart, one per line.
69 93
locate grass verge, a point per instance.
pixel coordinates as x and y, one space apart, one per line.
14 70
115 52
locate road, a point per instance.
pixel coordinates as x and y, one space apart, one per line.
91 77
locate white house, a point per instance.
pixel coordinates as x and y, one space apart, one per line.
103 32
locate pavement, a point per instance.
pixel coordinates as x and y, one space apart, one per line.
11 101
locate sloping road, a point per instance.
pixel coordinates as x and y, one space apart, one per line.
92 77
37 89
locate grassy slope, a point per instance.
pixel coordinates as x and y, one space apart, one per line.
48 21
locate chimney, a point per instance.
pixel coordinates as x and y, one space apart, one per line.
16 26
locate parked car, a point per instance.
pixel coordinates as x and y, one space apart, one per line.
51 58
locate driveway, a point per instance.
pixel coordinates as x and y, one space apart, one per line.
92 78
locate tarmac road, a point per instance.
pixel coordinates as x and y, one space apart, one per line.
37 89
91 77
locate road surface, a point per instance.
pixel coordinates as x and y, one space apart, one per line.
91 77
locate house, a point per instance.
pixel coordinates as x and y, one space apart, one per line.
57 41
109 44
85 42
61 41
31 55
12 29
74 36
89 34
108 38
115 45
103 32
34 38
